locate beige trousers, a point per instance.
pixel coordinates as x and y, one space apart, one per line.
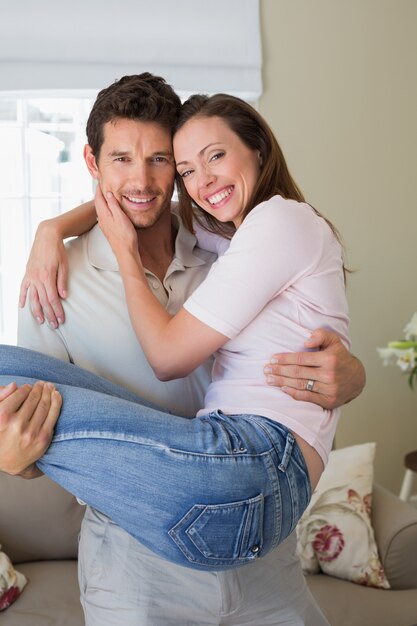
124 584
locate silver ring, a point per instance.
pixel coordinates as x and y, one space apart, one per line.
310 385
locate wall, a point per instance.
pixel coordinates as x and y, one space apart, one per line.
340 92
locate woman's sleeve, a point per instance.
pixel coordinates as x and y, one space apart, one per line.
210 241
278 242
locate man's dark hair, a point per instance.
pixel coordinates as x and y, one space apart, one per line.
142 97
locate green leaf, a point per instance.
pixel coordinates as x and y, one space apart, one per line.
402 345
413 375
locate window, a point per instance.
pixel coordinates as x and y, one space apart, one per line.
41 136
43 174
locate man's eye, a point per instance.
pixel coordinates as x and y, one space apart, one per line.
121 159
159 159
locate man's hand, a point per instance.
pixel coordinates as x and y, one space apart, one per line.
30 472
333 375
27 420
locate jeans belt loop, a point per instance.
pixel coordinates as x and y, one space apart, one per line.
289 444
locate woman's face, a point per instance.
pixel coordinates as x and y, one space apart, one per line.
219 171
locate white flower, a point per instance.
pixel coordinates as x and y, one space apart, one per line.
404 352
387 355
406 360
411 329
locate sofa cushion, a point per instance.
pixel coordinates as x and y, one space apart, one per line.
52 596
38 520
335 533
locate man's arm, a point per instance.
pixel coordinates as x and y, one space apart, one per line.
335 375
27 416
27 420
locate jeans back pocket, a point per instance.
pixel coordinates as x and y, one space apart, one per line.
222 536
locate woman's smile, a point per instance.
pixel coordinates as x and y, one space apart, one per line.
216 199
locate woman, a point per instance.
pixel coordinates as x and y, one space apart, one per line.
252 455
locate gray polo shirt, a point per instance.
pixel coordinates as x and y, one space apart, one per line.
97 333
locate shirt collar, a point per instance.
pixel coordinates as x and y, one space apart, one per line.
187 254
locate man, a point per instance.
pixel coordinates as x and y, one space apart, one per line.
122 583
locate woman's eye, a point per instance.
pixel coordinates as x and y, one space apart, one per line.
185 174
216 156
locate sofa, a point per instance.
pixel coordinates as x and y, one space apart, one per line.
347 604
39 526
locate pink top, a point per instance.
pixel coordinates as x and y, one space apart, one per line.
280 278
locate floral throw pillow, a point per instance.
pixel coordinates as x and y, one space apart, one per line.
11 582
335 534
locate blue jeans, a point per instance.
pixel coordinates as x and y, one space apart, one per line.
213 492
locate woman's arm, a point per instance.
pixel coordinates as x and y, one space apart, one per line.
75 222
174 345
47 271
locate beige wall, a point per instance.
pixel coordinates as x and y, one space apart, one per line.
340 91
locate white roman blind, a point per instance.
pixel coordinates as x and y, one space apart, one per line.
197 45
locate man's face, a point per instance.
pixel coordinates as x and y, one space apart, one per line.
136 164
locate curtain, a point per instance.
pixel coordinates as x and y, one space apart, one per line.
197 45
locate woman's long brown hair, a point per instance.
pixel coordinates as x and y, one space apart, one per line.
256 134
